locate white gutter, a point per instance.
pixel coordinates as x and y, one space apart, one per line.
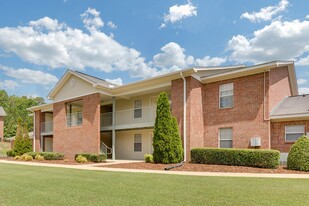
184 116
34 132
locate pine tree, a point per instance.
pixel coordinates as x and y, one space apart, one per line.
166 141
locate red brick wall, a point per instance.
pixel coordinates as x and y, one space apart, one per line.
77 139
246 117
1 128
278 134
279 86
39 118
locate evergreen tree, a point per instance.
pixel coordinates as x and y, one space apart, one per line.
22 143
166 141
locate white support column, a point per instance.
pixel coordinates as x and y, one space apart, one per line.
113 129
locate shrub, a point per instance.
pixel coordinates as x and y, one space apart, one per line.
148 158
298 158
39 157
10 153
26 157
92 157
166 140
48 155
81 159
237 157
17 157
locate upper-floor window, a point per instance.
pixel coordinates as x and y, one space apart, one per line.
226 137
74 113
293 132
137 109
226 94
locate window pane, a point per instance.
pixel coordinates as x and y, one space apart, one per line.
137 142
293 137
226 134
137 113
226 102
226 143
294 129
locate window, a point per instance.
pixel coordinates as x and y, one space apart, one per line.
226 95
226 137
137 109
74 113
293 132
137 142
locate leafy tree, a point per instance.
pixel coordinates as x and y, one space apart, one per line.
22 143
15 107
166 141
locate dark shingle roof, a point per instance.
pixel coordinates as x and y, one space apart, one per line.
293 105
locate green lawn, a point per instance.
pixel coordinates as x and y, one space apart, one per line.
28 185
4 146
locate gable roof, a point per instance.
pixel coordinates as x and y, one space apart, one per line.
292 107
2 112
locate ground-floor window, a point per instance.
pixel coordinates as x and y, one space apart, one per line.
293 132
137 142
226 137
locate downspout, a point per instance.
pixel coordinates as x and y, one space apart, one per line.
184 116
34 132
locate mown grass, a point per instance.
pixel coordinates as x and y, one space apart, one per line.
28 185
4 146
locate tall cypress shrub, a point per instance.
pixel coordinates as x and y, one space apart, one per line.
167 144
22 143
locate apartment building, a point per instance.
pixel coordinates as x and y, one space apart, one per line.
229 106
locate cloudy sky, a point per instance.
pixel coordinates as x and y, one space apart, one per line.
126 41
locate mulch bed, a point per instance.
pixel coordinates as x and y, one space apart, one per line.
205 168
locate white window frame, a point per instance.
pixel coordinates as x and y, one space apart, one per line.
298 132
230 128
135 136
221 90
138 108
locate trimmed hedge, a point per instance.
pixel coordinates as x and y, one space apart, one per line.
48 155
237 157
92 157
298 158
10 153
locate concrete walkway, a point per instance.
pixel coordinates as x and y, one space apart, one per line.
95 167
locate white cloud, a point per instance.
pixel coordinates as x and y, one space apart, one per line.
302 81
307 17
111 25
287 40
117 81
8 84
173 58
208 61
47 23
30 76
91 19
179 12
266 13
303 90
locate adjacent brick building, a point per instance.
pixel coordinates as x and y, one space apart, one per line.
2 115
233 106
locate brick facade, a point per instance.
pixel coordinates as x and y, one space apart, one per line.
279 86
84 138
278 134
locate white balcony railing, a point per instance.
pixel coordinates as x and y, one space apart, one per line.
74 119
47 127
144 115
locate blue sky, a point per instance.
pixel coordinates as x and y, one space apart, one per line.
125 41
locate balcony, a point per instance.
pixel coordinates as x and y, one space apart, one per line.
47 127
131 118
